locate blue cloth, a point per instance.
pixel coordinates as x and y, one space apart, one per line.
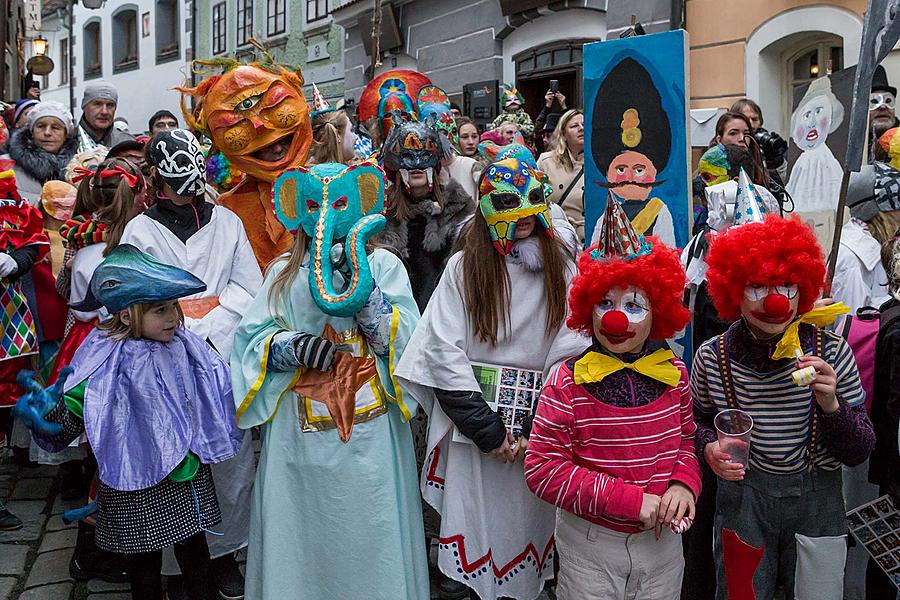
147 403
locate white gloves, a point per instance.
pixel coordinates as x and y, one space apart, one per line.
7 265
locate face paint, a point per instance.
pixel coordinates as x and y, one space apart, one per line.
756 293
511 190
622 319
178 159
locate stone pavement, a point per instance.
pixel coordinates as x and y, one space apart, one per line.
34 561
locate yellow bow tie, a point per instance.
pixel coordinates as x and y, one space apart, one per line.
594 367
789 344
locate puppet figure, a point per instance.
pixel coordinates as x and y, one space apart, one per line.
513 104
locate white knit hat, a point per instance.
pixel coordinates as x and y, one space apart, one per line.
50 108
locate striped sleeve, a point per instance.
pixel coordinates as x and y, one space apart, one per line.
687 467
550 469
704 407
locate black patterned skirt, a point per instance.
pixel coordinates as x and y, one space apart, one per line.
156 517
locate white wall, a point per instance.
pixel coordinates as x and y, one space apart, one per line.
550 27
764 56
142 91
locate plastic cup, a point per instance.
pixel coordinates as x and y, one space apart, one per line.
733 428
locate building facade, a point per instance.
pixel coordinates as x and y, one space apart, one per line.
141 47
295 32
12 44
458 43
765 48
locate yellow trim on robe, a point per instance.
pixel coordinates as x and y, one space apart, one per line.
398 398
257 385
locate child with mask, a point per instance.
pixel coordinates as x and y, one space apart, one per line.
183 230
174 392
612 445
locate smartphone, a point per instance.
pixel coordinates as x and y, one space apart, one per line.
554 85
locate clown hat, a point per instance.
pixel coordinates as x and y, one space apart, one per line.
749 207
618 239
320 104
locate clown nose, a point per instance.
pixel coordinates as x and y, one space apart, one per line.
614 323
777 305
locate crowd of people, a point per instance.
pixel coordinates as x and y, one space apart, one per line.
446 380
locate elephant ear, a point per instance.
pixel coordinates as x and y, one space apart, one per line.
286 197
370 181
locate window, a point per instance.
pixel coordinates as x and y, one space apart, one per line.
218 28
244 21
64 61
93 62
316 10
812 61
276 17
167 39
125 39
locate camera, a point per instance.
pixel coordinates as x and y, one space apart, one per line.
772 145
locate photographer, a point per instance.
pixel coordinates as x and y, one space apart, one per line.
553 96
773 146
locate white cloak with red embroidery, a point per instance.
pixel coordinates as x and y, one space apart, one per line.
496 536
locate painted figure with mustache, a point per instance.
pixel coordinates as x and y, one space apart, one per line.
257 117
631 143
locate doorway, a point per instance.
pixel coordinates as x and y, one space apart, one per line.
560 60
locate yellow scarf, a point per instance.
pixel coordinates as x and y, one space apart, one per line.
789 344
594 367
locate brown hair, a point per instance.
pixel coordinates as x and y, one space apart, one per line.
487 299
560 152
723 121
109 199
327 129
120 330
398 203
460 121
884 227
743 103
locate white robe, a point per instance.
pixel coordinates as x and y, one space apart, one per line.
815 182
219 255
496 536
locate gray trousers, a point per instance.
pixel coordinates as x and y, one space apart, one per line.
770 511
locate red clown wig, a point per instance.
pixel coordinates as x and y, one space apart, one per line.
659 274
777 251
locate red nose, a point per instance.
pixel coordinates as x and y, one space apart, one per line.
777 305
614 323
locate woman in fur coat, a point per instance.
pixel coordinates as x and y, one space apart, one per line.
42 148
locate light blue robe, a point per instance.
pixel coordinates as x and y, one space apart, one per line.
330 520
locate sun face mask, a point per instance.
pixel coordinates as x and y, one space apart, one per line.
334 204
250 110
178 159
511 190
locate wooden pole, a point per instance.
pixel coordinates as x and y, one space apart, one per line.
376 37
838 225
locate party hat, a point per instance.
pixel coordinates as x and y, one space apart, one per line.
749 207
320 104
618 239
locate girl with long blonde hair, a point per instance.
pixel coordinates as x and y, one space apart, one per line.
564 165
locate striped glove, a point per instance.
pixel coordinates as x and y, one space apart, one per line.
313 351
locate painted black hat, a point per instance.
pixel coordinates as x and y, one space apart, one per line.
628 115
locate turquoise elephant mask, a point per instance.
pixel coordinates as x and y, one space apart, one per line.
510 190
334 204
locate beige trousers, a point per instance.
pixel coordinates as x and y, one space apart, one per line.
596 563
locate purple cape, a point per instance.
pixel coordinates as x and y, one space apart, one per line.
147 403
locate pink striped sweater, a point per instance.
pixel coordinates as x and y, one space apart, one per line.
597 460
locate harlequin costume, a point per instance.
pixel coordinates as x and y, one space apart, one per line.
495 536
33 312
335 511
784 521
155 487
246 110
612 427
